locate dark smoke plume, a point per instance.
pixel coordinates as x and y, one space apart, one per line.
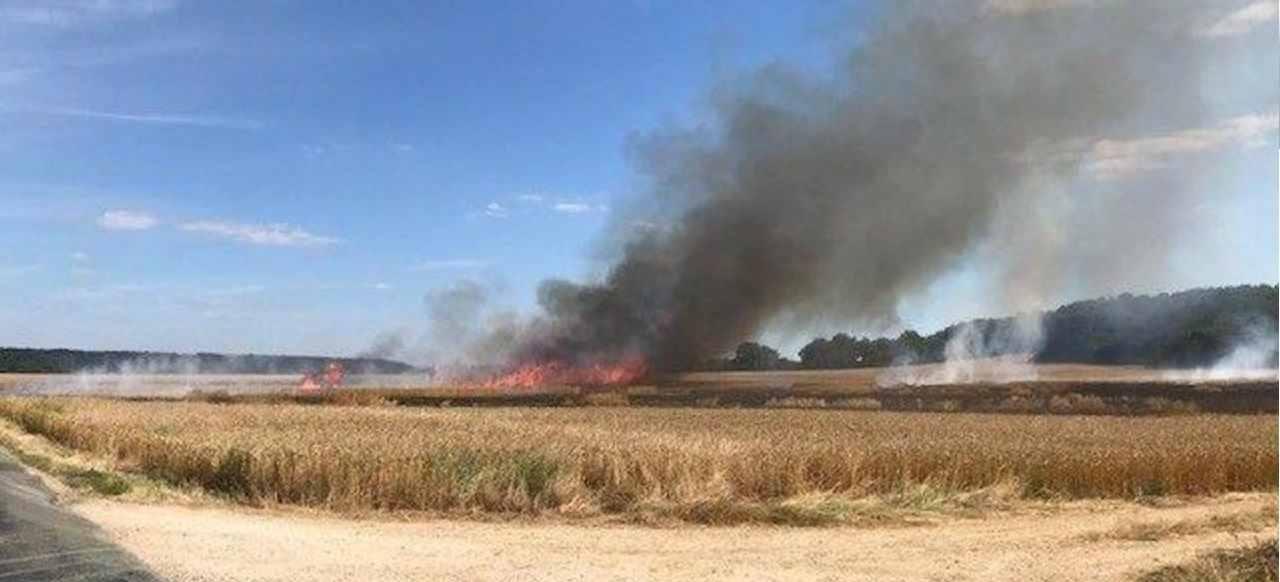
951 127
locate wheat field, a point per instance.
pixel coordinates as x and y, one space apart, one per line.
706 465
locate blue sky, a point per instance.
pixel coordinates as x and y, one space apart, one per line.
288 176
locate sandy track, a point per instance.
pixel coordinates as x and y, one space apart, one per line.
224 544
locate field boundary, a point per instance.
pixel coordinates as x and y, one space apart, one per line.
1039 397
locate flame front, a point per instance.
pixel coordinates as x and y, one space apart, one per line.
551 373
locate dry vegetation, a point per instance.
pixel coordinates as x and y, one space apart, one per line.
1156 530
13 381
1256 563
703 465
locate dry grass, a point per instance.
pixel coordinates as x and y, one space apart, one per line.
69 472
1256 563
1154 531
702 465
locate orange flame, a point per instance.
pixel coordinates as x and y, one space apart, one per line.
559 373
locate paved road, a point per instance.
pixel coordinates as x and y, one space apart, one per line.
40 541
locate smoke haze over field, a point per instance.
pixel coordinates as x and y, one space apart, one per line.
1044 138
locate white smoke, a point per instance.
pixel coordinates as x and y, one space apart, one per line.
972 355
1253 357
158 375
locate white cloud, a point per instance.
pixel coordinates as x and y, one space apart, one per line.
571 207
382 286
235 291
530 198
315 150
449 264
1243 20
80 257
114 291
403 148
1112 158
147 118
495 210
66 13
126 220
578 207
279 234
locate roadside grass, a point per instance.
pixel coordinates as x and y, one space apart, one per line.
1256 563
83 474
107 483
710 466
1154 531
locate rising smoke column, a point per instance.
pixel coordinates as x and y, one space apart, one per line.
952 125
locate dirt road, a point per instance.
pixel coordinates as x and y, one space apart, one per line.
1061 545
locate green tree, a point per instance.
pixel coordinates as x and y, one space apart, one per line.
755 356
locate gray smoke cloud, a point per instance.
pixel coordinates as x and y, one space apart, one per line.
386 345
467 330
1010 130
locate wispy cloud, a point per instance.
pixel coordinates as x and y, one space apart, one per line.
1112 158
571 207
127 220
235 290
449 265
496 210
68 13
80 257
561 204
278 234
318 149
114 291
146 118
1243 20
1026 6
578 207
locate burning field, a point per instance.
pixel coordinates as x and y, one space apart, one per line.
995 158
991 385
621 443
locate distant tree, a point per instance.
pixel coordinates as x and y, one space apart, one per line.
755 356
46 361
1190 328
813 354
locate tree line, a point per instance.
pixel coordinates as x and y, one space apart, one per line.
1185 329
56 361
